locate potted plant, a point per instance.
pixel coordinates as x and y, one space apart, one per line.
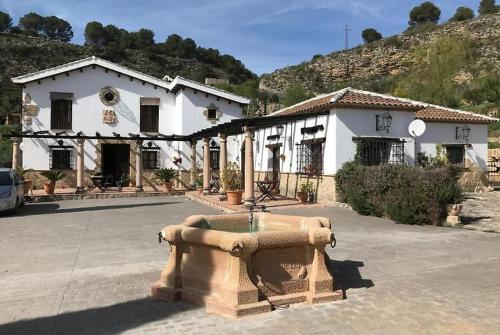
164 175
231 180
199 184
305 189
52 177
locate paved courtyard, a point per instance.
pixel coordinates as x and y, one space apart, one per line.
85 267
481 212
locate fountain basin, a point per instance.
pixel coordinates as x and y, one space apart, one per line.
218 261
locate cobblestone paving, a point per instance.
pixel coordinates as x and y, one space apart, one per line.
482 212
85 267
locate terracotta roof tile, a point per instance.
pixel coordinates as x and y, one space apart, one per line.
357 98
437 114
349 97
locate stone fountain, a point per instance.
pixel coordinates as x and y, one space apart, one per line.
236 269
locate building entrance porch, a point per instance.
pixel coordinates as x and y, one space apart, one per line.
115 162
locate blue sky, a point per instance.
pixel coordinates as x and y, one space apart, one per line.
264 34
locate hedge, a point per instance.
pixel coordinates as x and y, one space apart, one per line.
409 195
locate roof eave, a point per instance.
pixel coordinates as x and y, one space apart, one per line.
180 81
484 121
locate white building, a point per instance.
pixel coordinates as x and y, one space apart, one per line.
338 126
110 106
94 97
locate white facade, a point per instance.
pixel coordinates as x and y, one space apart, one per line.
341 125
444 133
182 106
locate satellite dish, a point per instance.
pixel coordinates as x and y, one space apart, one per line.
416 128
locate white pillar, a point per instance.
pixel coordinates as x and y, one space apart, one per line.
194 170
16 152
206 165
249 195
80 166
138 167
222 161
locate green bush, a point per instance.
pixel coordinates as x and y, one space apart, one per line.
405 194
493 145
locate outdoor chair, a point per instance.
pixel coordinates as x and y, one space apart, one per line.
108 182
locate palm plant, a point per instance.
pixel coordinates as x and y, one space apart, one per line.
53 175
165 174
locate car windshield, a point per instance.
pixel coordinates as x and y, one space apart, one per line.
5 178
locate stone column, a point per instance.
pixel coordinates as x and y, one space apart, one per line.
206 166
222 162
194 170
80 166
249 196
138 167
16 152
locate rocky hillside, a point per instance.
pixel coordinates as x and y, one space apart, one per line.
383 58
21 54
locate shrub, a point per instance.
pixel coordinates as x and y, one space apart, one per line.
425 12
493 145
487 7
405 194
394 41
370 35
462 14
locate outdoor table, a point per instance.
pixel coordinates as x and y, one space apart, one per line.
266 187
98 182
214 184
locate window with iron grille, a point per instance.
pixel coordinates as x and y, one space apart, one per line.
214 158
149 118
61 114
455 154
378 151
61 158
310 156
151 158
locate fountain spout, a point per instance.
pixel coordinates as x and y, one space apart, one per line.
251 209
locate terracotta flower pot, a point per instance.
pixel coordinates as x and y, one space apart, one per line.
167 186
302 196
234 197
49 187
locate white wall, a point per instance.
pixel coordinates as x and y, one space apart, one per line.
192 105
445 133
290 138
351 123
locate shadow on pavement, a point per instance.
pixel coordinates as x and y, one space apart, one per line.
48 208
112 319
346 275
472 219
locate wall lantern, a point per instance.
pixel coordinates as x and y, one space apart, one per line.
462 133
384 121
279 130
